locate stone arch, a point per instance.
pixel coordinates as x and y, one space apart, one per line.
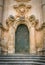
22 39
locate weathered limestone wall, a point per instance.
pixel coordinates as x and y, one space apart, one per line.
1 17
1 10
43 10
39 41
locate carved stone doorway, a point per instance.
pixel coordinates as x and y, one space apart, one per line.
22 40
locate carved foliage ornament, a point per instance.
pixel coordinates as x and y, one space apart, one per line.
22 9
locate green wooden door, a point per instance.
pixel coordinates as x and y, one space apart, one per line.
22 39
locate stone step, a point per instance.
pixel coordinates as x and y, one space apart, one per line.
21 60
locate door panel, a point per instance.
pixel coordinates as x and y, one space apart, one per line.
22 39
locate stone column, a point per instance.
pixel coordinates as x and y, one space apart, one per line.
1 17
1 10
32 40
43 14
43 9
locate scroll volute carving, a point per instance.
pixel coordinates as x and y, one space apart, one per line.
10 20
33 20
2 27
41 27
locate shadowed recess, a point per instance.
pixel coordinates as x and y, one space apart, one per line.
22 39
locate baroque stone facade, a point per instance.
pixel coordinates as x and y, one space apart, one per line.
10 24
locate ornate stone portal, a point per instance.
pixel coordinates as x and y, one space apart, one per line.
35 32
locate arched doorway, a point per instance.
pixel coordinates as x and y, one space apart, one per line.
22 39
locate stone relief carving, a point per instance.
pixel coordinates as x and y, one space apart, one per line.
2 27
21 9
35 23
33 20
10 20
